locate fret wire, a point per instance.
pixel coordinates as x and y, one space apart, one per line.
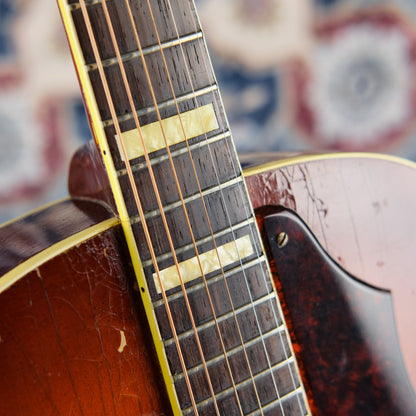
163 104
177 204
146 51
204 207
134 188
222 318
284 398
275 367
175 153
207 239
207 66
176 180
245 383
197 295
235 350
214 279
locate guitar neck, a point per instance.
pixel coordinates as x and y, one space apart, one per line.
159 123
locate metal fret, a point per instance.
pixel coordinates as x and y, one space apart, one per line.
194 197
162 105
146 51
209 238
222 318
175 153
247 382
236 350
201 286
277 403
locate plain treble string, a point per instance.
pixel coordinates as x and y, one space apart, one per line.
128 90
248 213
135 192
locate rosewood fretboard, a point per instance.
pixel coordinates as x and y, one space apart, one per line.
227 325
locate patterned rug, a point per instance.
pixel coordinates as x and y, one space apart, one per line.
295 75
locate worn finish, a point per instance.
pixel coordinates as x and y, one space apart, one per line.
25 350
23 239
365 237
62 328
88 178
345 328
361 210
74 337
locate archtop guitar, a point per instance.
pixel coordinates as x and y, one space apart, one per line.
157 289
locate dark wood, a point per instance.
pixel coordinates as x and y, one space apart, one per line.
345 328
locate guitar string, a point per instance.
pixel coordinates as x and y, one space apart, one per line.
136 197
186 140
231 227
282 341
219 184
154 184
266 278
198 184
193 165
156 107
202 198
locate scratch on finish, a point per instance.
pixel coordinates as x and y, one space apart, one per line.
352 219
123 342
58 338
318 205
97 328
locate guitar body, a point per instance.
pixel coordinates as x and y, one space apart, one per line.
74 338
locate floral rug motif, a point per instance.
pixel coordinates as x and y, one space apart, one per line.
316 75
300 75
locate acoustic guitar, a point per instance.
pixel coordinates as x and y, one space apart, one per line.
172 283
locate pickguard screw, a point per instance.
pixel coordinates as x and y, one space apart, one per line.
282 239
